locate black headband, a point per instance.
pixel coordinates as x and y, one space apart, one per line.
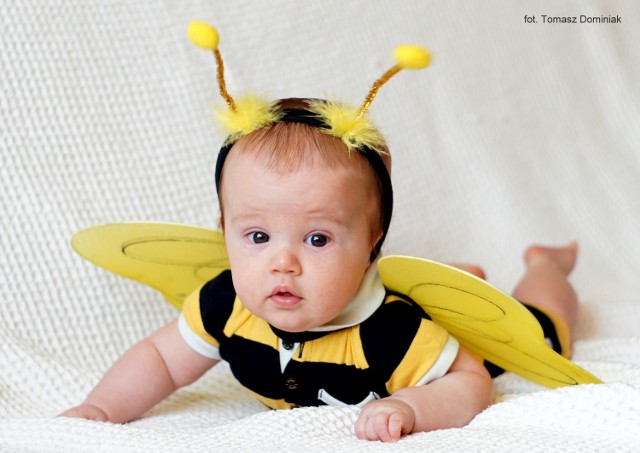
372 156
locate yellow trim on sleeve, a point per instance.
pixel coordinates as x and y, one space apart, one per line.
423 353
193 317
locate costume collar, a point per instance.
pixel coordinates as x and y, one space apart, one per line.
367 300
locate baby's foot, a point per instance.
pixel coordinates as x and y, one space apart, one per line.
471 268
562 257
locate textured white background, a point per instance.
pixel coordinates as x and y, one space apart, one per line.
518 133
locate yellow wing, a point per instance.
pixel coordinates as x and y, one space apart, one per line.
174 259
485 320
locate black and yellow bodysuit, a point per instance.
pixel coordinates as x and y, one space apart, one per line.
397 346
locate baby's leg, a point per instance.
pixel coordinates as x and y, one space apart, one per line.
545 284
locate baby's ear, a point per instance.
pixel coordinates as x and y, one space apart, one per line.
375 247
376 239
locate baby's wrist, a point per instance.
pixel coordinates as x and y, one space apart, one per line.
401 401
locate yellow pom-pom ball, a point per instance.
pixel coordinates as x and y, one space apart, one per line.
203 35
412 57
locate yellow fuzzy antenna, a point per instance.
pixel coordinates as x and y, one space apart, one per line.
407 57
246 115
350 124
206 37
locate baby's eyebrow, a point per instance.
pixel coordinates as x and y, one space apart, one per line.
337 216
324 216
247 217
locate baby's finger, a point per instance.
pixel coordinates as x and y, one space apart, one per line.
360 426
395 425
381 427
86 412
366 426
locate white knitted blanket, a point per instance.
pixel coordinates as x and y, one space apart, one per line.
519 132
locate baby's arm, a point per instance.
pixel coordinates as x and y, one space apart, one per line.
450 401
145 375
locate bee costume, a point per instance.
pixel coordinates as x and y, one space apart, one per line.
402 328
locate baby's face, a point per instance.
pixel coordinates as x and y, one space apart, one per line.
298 243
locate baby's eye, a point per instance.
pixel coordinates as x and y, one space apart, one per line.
317 240
258 237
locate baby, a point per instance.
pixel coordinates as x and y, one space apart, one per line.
301 316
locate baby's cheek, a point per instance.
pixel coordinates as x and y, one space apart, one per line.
242 288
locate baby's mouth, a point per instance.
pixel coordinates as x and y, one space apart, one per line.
284 297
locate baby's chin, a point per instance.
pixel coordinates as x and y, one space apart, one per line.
293 326
296 325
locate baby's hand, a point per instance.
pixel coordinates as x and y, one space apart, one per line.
88 411
386 420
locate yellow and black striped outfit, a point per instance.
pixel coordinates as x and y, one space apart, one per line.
396 347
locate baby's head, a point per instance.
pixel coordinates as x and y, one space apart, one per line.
295 144
302 218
